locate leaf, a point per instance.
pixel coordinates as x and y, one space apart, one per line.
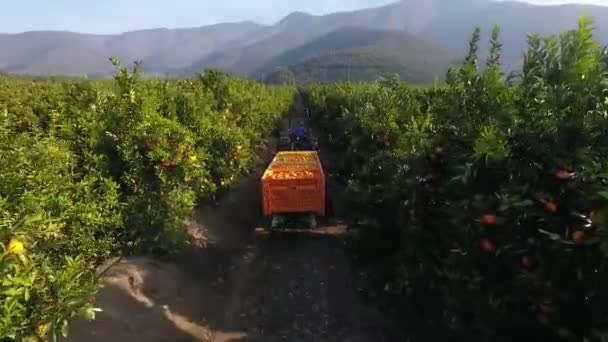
64 328
603 194
524 203
89 313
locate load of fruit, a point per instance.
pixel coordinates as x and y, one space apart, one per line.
296 157
290 174
289 166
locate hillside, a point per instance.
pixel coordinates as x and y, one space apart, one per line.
351 66
361 55
451 26
444 23
46 52
247 48
290 33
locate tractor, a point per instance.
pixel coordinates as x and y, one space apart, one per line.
293 185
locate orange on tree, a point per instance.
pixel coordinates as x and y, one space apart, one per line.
16 247
439 150
487 246
550 206
578 236
562 174
169 164
490 220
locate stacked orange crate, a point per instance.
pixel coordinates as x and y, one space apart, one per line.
294 182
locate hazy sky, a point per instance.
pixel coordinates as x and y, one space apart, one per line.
113 16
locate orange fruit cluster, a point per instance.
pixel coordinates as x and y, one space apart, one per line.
294 159
295 174
294 167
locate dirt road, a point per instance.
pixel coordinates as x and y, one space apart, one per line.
239 286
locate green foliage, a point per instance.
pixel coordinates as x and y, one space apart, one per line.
496 189
91 168
361 66
281 76
494 59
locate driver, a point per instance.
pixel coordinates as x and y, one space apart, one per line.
299 131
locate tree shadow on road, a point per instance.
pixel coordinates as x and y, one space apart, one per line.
137 301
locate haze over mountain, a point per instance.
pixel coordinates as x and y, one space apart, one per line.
416 39
356 53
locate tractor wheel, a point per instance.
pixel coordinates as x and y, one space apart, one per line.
329 206
276 222
312 221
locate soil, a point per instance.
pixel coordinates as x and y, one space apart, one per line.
238 285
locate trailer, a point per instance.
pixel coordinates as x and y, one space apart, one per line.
293 189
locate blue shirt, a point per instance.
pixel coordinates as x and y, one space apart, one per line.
299 131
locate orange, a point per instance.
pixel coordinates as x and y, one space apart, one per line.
551 207
578 237
487 246
489 220
168 164
562 174
15 247
439 150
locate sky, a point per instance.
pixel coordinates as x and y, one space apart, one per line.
115 16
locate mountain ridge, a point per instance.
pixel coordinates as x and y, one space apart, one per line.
246 48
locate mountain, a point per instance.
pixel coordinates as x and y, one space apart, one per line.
360 54
383 38
452 24
446 23
53 52
352 66
299 28
399 44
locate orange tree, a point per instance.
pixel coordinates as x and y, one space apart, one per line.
56 222
496 185
88 168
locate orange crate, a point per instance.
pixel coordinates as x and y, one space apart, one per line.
294 182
